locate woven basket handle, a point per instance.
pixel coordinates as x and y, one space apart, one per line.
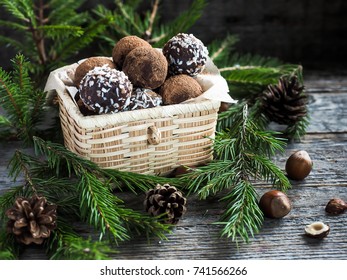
154 135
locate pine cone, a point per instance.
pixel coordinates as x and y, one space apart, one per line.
166 199
31 219
285 103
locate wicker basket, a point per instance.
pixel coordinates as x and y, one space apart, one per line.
147 141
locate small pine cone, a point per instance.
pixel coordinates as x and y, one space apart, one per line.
285 103
165 200
31 219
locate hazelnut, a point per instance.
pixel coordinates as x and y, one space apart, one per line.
317 230
275 204
224 106
336 206
298 165
181 170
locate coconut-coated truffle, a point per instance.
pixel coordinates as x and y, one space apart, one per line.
185 55
143 98
88 64
105 90
179 88
124 46
146 67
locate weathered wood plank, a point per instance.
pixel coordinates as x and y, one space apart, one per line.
196 237
323 83
327 112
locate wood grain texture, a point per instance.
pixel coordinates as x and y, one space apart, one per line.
196 237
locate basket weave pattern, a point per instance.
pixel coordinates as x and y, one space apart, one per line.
120 141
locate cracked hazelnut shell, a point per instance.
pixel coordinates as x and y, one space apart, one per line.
317 230
298 165
336 206
275 204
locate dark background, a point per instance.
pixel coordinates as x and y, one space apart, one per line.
307 32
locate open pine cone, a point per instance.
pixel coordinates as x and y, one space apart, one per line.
285 103
31 219
165 200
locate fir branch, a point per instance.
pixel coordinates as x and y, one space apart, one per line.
180 24
48 31
242 154
243 81
57 155
13 25
59 32
144 224
71 46
8 198
15 8
220 50
128 22
127 13
9 249
242 218
22 104
235 59
64 243
99 207
297 129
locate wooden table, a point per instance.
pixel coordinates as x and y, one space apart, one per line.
195 237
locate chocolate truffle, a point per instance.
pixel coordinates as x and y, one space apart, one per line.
83 108
143 98
105 90
88 65
185 54
124 46
179 88
146 67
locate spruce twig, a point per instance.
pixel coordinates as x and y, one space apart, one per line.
242 154
81 190
9 248
49 30
67 244
23 104
98 206
128 22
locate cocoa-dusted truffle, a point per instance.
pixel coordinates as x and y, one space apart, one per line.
143 98
88 65
105 90
124 46
185 54
146 67
179 88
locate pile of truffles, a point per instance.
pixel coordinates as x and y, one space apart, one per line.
139 76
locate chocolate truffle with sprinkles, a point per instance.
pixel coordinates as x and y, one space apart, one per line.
185 55
179 88
105 90
143 98
88 64
125 46
146 67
